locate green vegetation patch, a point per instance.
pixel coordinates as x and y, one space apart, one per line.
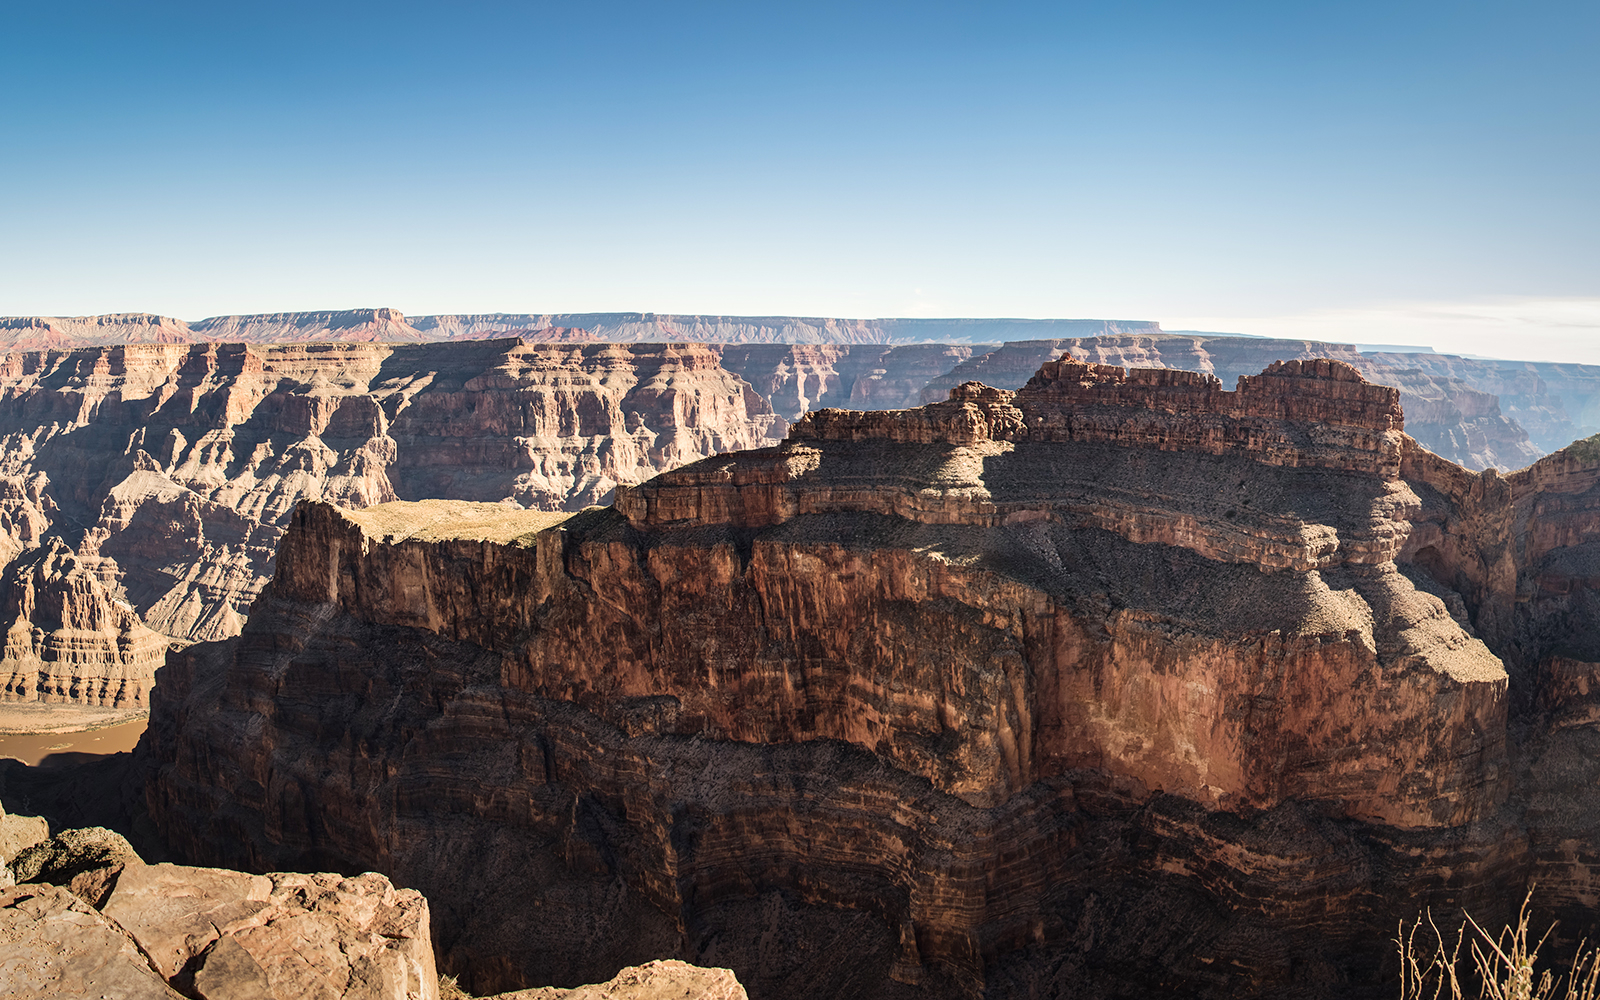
1587 450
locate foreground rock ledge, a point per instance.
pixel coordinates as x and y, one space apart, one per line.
1119 684
214 933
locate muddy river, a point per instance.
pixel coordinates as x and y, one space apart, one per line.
31 748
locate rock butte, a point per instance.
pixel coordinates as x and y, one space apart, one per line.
1118 684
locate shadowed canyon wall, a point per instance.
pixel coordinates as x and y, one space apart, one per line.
1120 684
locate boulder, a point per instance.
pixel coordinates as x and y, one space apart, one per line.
320 937
54 945
87 861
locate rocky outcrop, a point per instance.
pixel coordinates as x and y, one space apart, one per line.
18 833
91 920
88 861
1453 405
1075 688
1226 358
668 980
53 944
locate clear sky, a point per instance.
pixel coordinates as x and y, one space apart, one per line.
1377 172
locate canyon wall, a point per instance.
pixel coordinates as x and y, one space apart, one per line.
145 488
1453 405
1119 684
1447 395
391 326
168 468
798 378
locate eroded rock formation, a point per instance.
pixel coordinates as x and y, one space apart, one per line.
1118 684
68 639
1453 405
798 378
95 921
144 489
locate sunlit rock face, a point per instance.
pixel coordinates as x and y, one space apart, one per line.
1478 413
1121 683
144 489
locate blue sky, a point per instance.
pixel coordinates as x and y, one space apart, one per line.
1372 172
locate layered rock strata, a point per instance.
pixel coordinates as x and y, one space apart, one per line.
144 489
1076 689
390 326
1453 405
797 378
69 640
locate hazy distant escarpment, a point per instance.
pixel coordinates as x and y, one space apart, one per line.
390 326
1478 412
1123 683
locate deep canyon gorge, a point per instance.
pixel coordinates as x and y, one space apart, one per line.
1177 665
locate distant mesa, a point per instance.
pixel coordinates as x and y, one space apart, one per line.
382 326
391 326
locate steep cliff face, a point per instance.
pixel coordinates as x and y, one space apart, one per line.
68 640
1076 688
1556 403
391 326
147 487
783 330
1453 405
796 378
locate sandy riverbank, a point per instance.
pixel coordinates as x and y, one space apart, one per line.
24 717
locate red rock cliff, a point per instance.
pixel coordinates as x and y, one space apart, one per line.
974 688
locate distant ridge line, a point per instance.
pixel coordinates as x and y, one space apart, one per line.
392 326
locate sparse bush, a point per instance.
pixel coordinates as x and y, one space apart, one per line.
1586 450
449 989
1503 966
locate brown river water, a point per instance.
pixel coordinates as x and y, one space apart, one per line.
31 748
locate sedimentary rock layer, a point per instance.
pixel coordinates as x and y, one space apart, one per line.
68 639
1453 405
390 326
1108 686
144 489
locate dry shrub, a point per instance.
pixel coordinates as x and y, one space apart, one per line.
1503 965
